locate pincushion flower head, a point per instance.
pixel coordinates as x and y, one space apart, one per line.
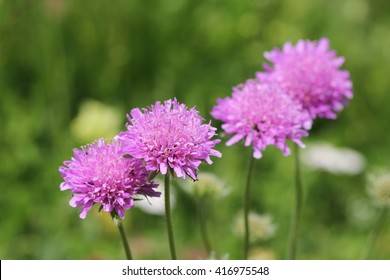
263 227
379 188
169 136
263 115
208 186
100 174
309 71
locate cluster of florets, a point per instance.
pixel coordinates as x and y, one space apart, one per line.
170 136
100 174
263 115
310 73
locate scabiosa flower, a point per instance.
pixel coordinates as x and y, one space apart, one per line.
169 136
326 157
379 188
208 185
310 72
262 228
100 174
264 115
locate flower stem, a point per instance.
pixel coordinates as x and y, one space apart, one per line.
124 239
374 233
247 206
168 218
202 208
297 209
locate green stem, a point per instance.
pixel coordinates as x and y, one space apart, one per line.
168 218
124 239
297 209
247 205
203 223
374 233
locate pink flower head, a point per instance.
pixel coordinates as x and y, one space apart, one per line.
264 115
169 136
310 72
98 173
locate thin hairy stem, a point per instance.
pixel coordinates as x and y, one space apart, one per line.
294 230
168 218
124 239
247 206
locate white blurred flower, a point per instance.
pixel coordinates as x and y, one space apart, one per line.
261 227
156 205
96 120
335 160
207 185
379 188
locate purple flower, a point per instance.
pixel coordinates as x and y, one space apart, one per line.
264 115
310 72
98 173
169 136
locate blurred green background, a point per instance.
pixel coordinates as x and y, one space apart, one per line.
70 71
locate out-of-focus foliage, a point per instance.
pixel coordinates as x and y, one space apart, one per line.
55 55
